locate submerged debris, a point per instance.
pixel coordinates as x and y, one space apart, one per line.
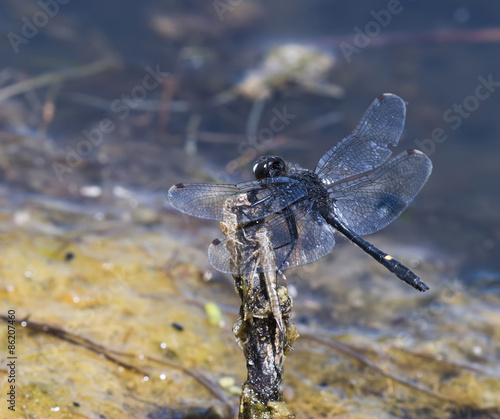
306 66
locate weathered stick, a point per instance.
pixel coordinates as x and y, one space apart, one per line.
263 330
58 76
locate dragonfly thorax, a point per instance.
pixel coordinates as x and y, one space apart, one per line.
315 188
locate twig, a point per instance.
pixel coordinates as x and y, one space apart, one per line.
451 36
197 375
346 350
77 340
101 350
48 110
444 362
191 144
56 77
148 105
254 117
257 329
169 86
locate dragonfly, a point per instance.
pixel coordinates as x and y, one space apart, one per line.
356 189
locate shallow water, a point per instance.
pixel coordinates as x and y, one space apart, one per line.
90 246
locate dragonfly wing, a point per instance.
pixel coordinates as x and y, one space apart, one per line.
367 146
299 235
265 197
370 202
314 237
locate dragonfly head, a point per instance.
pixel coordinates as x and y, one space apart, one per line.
269 166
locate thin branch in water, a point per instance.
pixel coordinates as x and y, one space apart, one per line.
147 105
49 108
452 364
451 36
58 76
350 352
198 376
169 86
59 333
101 350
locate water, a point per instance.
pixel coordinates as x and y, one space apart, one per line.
90 160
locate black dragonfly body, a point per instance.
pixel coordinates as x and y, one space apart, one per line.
355 190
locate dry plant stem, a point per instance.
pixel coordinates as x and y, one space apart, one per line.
264 348
351 352
258 332
112 356
56 77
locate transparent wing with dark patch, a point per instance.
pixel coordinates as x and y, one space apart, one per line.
299 235
265 197
367 203
367 146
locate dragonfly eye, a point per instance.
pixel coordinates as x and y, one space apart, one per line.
269 166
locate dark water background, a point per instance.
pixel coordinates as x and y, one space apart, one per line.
207 48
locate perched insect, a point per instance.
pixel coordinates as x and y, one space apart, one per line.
354 190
